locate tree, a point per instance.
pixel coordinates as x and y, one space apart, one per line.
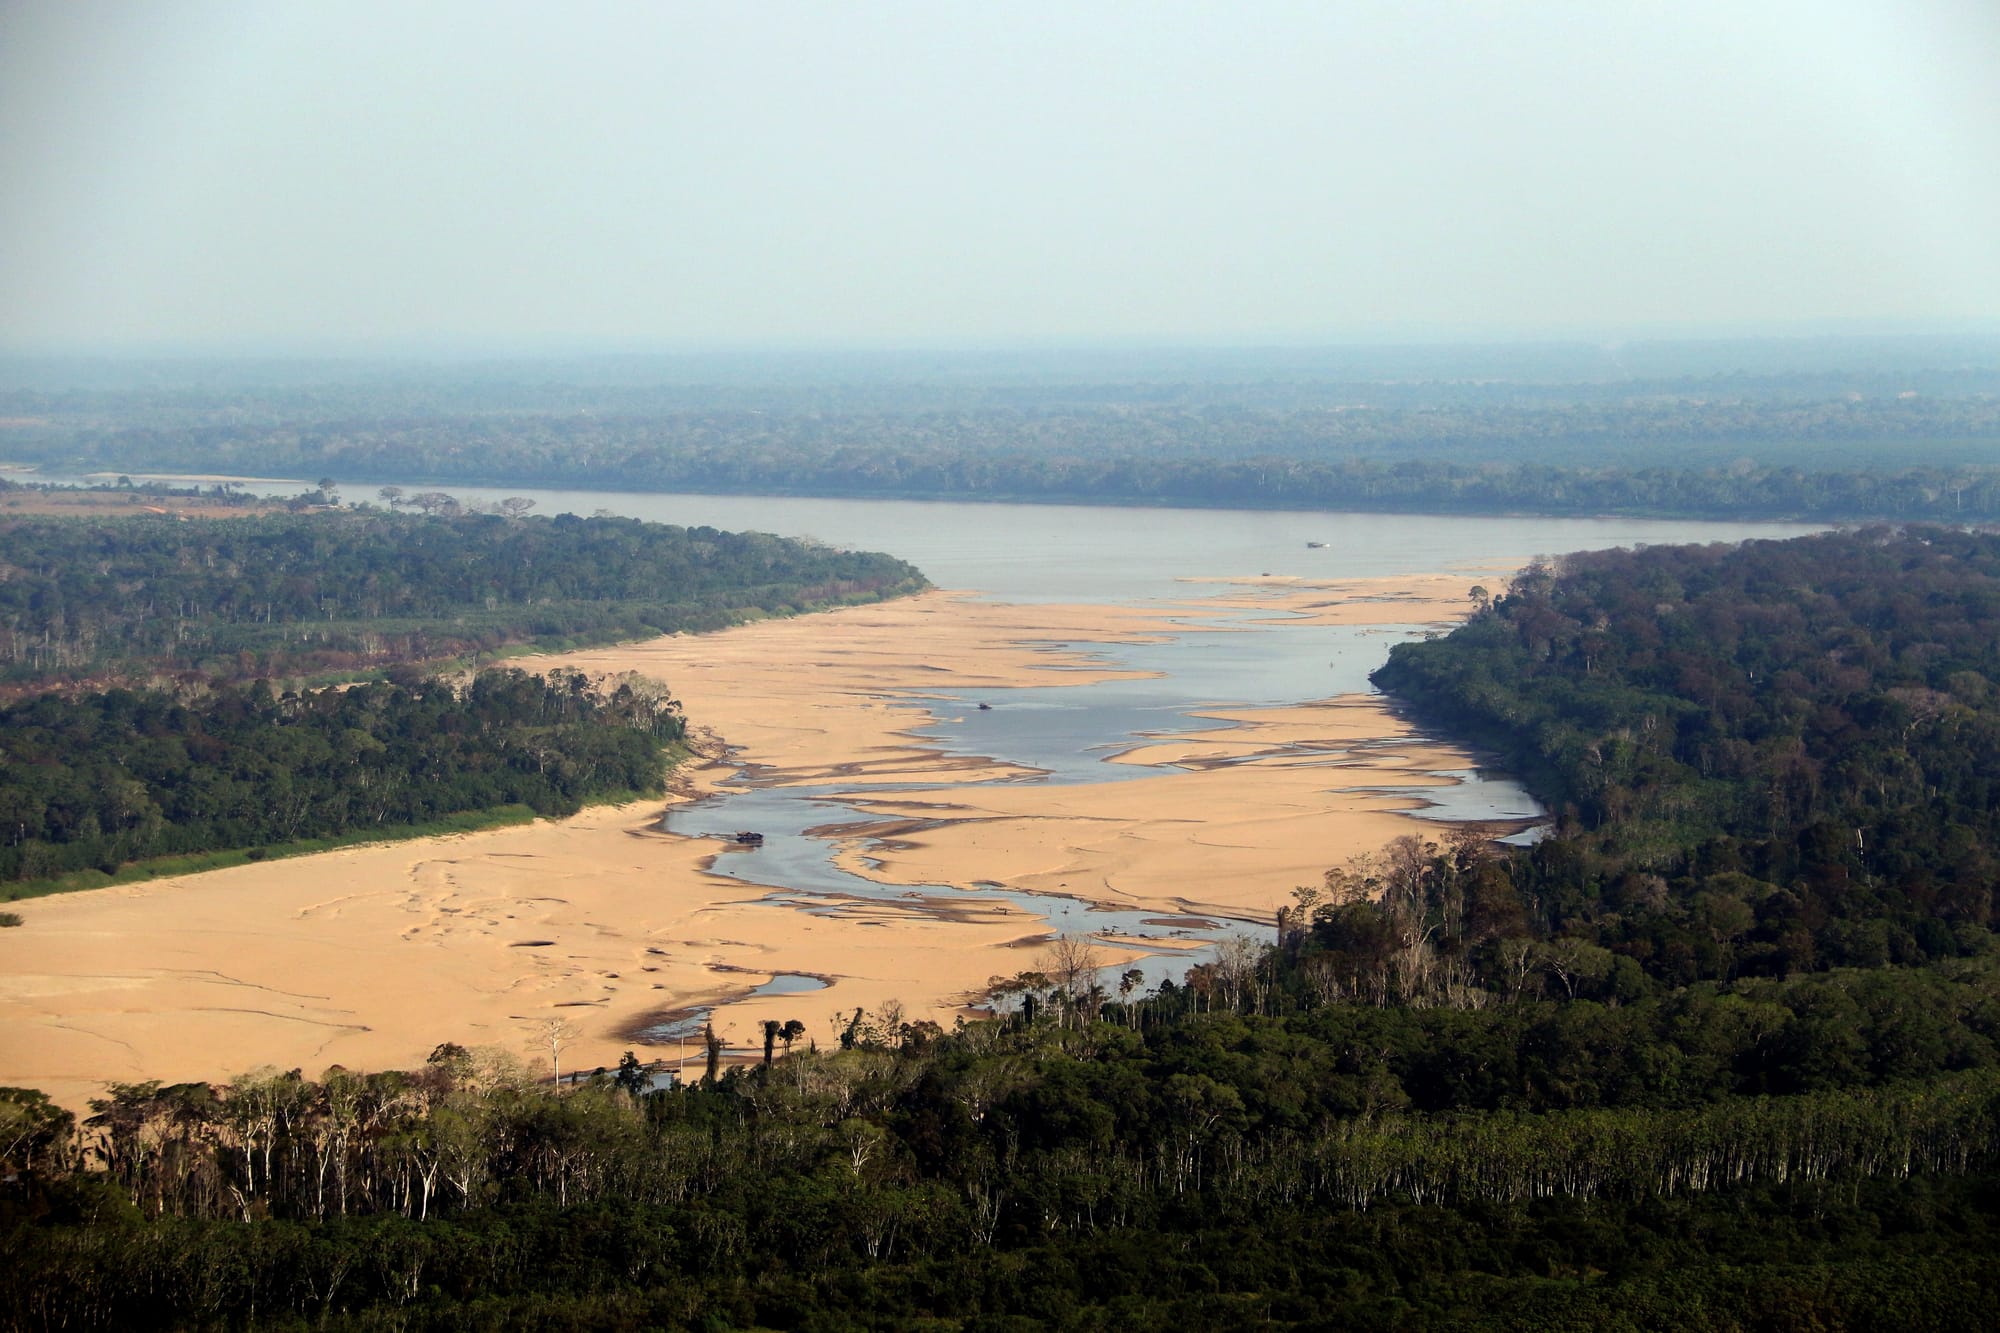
34 1132
1236 959
514 506
434 502
1572 960
1071 962
1128 982
555 1032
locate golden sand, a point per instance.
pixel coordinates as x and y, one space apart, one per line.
369 957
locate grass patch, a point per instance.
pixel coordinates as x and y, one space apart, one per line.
191 863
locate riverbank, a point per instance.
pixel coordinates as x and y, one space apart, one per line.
371 956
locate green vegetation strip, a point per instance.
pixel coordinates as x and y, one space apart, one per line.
470 821
1548 431
296 595
203 761
110 787
1046 1174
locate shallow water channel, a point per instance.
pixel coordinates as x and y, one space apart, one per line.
1102 555
1068 734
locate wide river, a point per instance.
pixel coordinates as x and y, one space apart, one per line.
1111 556
1117 555
1100 553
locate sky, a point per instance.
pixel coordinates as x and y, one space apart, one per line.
266 174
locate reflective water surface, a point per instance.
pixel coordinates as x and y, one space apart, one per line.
1101 555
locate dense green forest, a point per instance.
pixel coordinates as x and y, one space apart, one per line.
283 595
1721 1051
196 751
1770 757
1092 1163
95 782
1885 429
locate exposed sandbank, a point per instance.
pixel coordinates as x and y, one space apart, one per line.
371 956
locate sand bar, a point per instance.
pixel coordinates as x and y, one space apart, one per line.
369 957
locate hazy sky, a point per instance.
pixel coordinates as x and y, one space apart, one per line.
265 173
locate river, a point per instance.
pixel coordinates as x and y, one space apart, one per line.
1105 555
1113 555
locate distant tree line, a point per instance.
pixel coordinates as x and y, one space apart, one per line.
287 595
1755 447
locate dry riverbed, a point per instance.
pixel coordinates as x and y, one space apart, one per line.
371 956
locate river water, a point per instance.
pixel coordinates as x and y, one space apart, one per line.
1103 555
1117 555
